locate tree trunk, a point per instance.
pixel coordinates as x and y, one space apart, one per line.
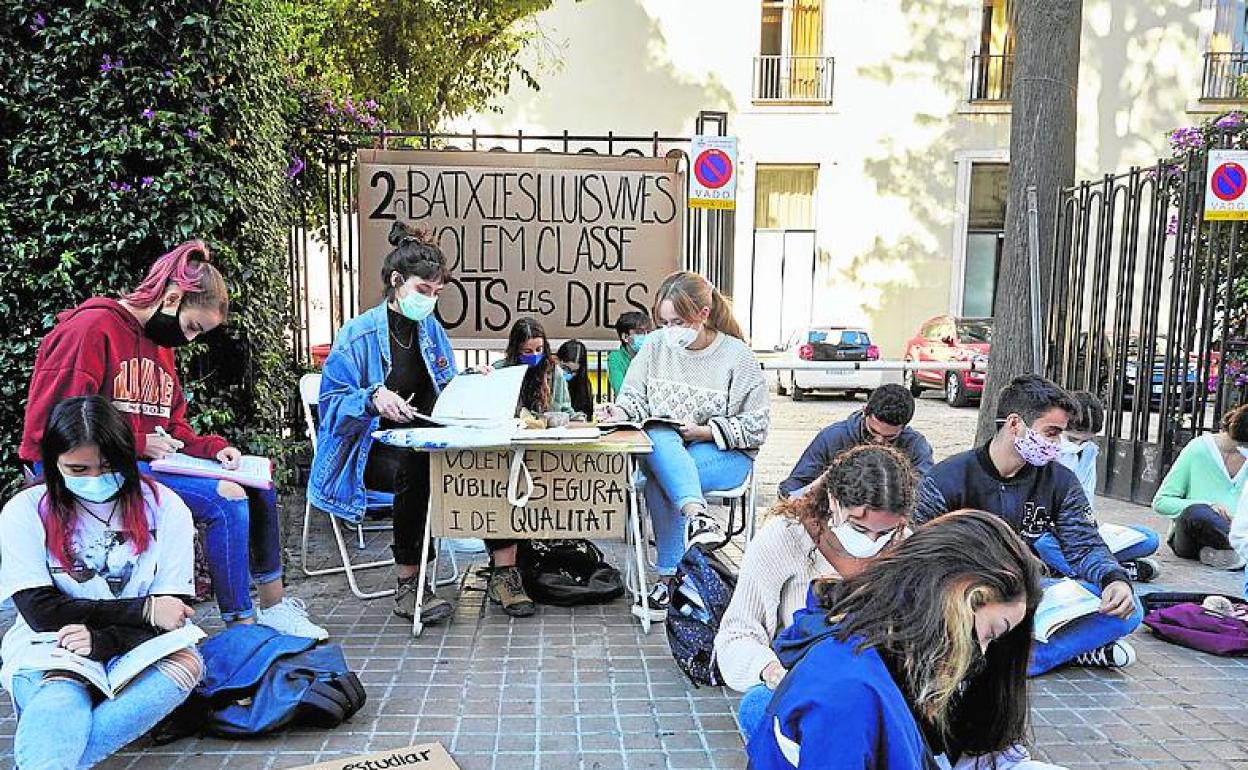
1042 154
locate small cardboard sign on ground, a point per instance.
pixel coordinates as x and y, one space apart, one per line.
426 756
575 494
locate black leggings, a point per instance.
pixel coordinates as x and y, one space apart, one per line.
1199 526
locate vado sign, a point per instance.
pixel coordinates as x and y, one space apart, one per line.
713 172
1226 185
573 240
574 494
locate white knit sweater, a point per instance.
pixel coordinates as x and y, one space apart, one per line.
721 386
780 562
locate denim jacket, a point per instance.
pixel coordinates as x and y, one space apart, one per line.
357 366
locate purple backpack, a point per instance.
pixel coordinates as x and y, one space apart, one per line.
1180 619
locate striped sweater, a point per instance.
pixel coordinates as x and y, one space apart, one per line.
721 386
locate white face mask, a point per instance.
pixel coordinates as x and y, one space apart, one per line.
680 336
855 543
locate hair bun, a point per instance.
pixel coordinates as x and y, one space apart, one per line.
401 232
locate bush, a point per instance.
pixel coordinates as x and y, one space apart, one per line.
130 127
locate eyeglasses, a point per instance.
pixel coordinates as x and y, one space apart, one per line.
878 437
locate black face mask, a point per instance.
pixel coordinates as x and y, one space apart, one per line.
165 330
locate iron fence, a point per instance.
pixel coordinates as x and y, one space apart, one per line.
794 79
1143 313
992 77
1223 77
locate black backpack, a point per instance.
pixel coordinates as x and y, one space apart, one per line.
257 681
700 592
567 573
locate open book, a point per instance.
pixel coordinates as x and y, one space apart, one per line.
479 400
46 655
1118 537
252 470
646 423
1064 601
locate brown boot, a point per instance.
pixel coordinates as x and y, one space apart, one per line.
434 610
507 589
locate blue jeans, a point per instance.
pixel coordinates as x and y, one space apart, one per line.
242 538
1081 635
1198 526
60 727
676 475
1050 552
753 709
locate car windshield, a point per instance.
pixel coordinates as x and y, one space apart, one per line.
838 337
975 331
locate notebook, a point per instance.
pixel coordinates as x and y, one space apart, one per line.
252 470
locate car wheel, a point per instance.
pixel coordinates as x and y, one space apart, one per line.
955 394
780 389
911 382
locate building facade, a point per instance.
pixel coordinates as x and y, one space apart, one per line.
874 134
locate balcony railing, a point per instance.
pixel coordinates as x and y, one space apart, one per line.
793 79
992 75
1224 74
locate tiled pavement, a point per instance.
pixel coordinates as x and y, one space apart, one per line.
585 688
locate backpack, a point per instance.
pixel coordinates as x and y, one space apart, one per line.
1180 619
568 573
257 681
700 592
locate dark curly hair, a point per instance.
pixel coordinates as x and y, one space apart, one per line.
415 254
1235 423
1091 415
892 404
1031 396
878 477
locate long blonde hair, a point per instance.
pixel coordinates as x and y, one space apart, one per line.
689 293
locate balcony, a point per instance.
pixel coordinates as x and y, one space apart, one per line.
992 75
793 79
1224 74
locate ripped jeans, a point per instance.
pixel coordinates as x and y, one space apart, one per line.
60 726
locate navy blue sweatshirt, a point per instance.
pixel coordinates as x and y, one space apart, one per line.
1034 501
851 432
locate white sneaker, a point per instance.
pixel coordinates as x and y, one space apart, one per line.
1221 559
290 617
703 529
1117 654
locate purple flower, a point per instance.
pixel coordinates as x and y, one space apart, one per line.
192 134
1172 225
1230 120
370 105
146 181
113 185
1187 138
167 74
125 187
148 114
296 167
330 109
349 108
38 22
108 64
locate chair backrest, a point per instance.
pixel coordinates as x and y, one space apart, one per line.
310 395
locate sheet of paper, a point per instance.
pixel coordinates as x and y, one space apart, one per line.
480 399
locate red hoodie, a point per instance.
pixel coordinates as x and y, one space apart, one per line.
99 347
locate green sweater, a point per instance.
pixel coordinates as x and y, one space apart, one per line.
1199 476
617 367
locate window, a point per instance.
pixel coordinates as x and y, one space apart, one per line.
784 198
992 67
791 65
1226 61
985 235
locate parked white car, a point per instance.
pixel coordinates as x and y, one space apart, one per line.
829 343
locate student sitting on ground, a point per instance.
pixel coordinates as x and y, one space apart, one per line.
387 365
924 653
1202 491
632 328
103 558
1014 476
1079 453
124 350
573 359
544 389
884 420
699 370
857 508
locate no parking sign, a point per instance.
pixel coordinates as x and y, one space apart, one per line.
1226 185
713 172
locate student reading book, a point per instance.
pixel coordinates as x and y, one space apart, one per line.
1063 602
252 471
98 560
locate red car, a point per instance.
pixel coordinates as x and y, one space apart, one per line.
948 339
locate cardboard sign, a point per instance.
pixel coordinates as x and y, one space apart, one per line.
426 756
713 181
572 240
1226 185
575 494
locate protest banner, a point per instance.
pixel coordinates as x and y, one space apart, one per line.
575 494
426 756
572 240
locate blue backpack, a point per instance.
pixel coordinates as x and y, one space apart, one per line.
257 681
700 592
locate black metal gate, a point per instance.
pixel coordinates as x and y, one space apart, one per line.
1145 312
324 244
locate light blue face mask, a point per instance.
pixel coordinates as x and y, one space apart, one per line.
95 489
567 376
638 341
416 306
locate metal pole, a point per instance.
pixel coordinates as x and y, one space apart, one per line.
1033 254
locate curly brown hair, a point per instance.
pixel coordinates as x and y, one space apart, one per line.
878 477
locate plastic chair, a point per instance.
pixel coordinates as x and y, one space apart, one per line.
743 497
